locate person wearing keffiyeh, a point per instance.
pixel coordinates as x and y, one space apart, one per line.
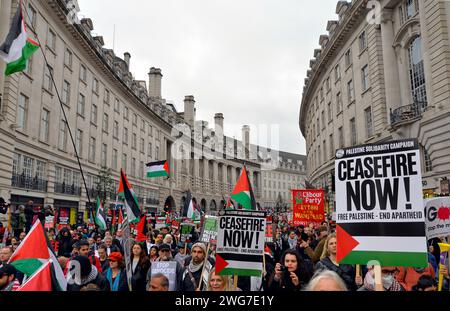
390 284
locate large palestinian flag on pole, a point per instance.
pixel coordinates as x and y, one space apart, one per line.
158 169
131 202
379 205
243 193
18 47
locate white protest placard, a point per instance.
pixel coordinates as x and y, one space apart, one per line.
379 205
209 232
240 242
168 269
437 217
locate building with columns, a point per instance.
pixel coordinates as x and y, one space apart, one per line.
116 122
380 77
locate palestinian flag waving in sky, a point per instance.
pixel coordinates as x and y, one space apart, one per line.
243 193
18 47
131 202
158 169
100 217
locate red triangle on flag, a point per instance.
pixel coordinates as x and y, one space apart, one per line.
220 263
242 184
41 281
34 246
166 167
345 243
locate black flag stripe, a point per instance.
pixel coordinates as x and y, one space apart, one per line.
381 229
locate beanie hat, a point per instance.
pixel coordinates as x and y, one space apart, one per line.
201 245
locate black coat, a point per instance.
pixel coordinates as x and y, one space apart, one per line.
139 278
100 281
346 272
64 244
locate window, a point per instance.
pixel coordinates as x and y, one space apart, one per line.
417 73
81 105
319 157
62 135
323 119
116 130
83 73
348 58
124 161
142 145
94 114
150 150
104 154
51 40
157 153
341 137
350 91
79 141
117 106
22 112
353 132
141 170
107 97
321 94
428 162
332 150
105 124
126 112
92 143
337 73
150 130
48 73
125 136
365 77
369 123
362 41
324 151
45 123
114 159
68 58
134 141
327 85
318 127
31 14
133 167
330 112
339 102
66 93
135 119
95 86
143 125
408 10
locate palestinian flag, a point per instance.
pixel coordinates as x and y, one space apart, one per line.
189 208
100 217
32 252
142 230
243 193
40 281
120 221
158 169
131 202
230 204
18 47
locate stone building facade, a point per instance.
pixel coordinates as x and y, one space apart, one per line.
379 77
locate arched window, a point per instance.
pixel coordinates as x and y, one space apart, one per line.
417 73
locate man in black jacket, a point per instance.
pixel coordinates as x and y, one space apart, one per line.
194 264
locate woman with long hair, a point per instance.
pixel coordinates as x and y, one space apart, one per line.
154 253
140 265
328 261
291 274
218 283
116 274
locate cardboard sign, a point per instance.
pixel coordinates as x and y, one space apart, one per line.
209 232
175 224
63 216
240 242
308 206
379 205
168 269
49 222
437 217
186 232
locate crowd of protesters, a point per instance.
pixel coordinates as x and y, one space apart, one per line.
300 258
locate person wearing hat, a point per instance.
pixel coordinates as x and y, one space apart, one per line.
116 274
194 264
181 255
82 273
316 253
8 280
183 283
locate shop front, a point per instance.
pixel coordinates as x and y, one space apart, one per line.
66 213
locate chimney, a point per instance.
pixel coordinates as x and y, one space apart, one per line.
189 107
218 124
126 58
154 85
246 140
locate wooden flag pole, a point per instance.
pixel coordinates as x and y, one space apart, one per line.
235 282
358 270
203 268
378 281
264 262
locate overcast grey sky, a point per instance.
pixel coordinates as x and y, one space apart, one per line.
247 59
